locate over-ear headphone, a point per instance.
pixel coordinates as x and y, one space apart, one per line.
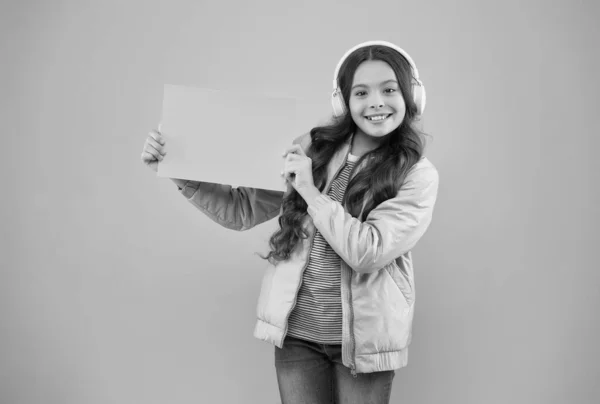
418 90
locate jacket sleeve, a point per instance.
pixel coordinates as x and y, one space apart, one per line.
234 208
391 229
239 208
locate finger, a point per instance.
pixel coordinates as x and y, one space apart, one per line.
287 183
153 143
291 166
153 152
156 135
158 153
288 172
290 182
153 148
148 157
296 149
292 157
297 158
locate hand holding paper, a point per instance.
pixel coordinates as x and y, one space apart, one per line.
154 149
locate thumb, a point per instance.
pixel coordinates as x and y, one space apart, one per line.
288 188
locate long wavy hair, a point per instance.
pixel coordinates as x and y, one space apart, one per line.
385 168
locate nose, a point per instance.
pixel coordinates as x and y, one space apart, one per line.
376 101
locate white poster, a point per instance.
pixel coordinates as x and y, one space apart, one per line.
229 137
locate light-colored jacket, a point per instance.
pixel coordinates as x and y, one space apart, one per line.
377 287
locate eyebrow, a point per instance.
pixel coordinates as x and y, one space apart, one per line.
382 83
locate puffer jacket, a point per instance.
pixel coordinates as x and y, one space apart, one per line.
377 285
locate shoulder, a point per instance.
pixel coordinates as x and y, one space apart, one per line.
423 172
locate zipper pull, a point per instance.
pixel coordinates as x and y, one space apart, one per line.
353 372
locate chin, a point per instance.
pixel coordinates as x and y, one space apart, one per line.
379 131
376 134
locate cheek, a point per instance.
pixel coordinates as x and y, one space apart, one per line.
355 108
399 104
400 108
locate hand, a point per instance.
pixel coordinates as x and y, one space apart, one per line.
298 169
154 149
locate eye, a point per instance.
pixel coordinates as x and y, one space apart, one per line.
390 90
360 93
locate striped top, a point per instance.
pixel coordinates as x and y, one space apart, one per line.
317 315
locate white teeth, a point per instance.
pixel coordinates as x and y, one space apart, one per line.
377 118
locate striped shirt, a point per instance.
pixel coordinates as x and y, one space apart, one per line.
317 315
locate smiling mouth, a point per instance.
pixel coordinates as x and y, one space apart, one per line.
378 118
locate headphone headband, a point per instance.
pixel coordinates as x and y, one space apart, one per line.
369 43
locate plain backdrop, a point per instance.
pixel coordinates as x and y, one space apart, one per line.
115 289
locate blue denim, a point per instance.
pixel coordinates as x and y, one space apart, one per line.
311 373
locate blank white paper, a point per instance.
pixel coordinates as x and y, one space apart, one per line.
227 137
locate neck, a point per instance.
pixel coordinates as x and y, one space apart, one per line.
363 143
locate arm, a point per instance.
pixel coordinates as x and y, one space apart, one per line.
234 208
391 229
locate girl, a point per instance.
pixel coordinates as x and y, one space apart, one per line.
337 298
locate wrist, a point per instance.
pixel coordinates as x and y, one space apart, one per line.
179 182
309 194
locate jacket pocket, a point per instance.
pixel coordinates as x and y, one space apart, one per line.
400 311
400 282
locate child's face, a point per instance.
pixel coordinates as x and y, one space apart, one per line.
375 93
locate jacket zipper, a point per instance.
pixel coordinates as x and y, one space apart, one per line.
351 325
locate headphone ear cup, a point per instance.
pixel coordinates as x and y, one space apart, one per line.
419 97
337 102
